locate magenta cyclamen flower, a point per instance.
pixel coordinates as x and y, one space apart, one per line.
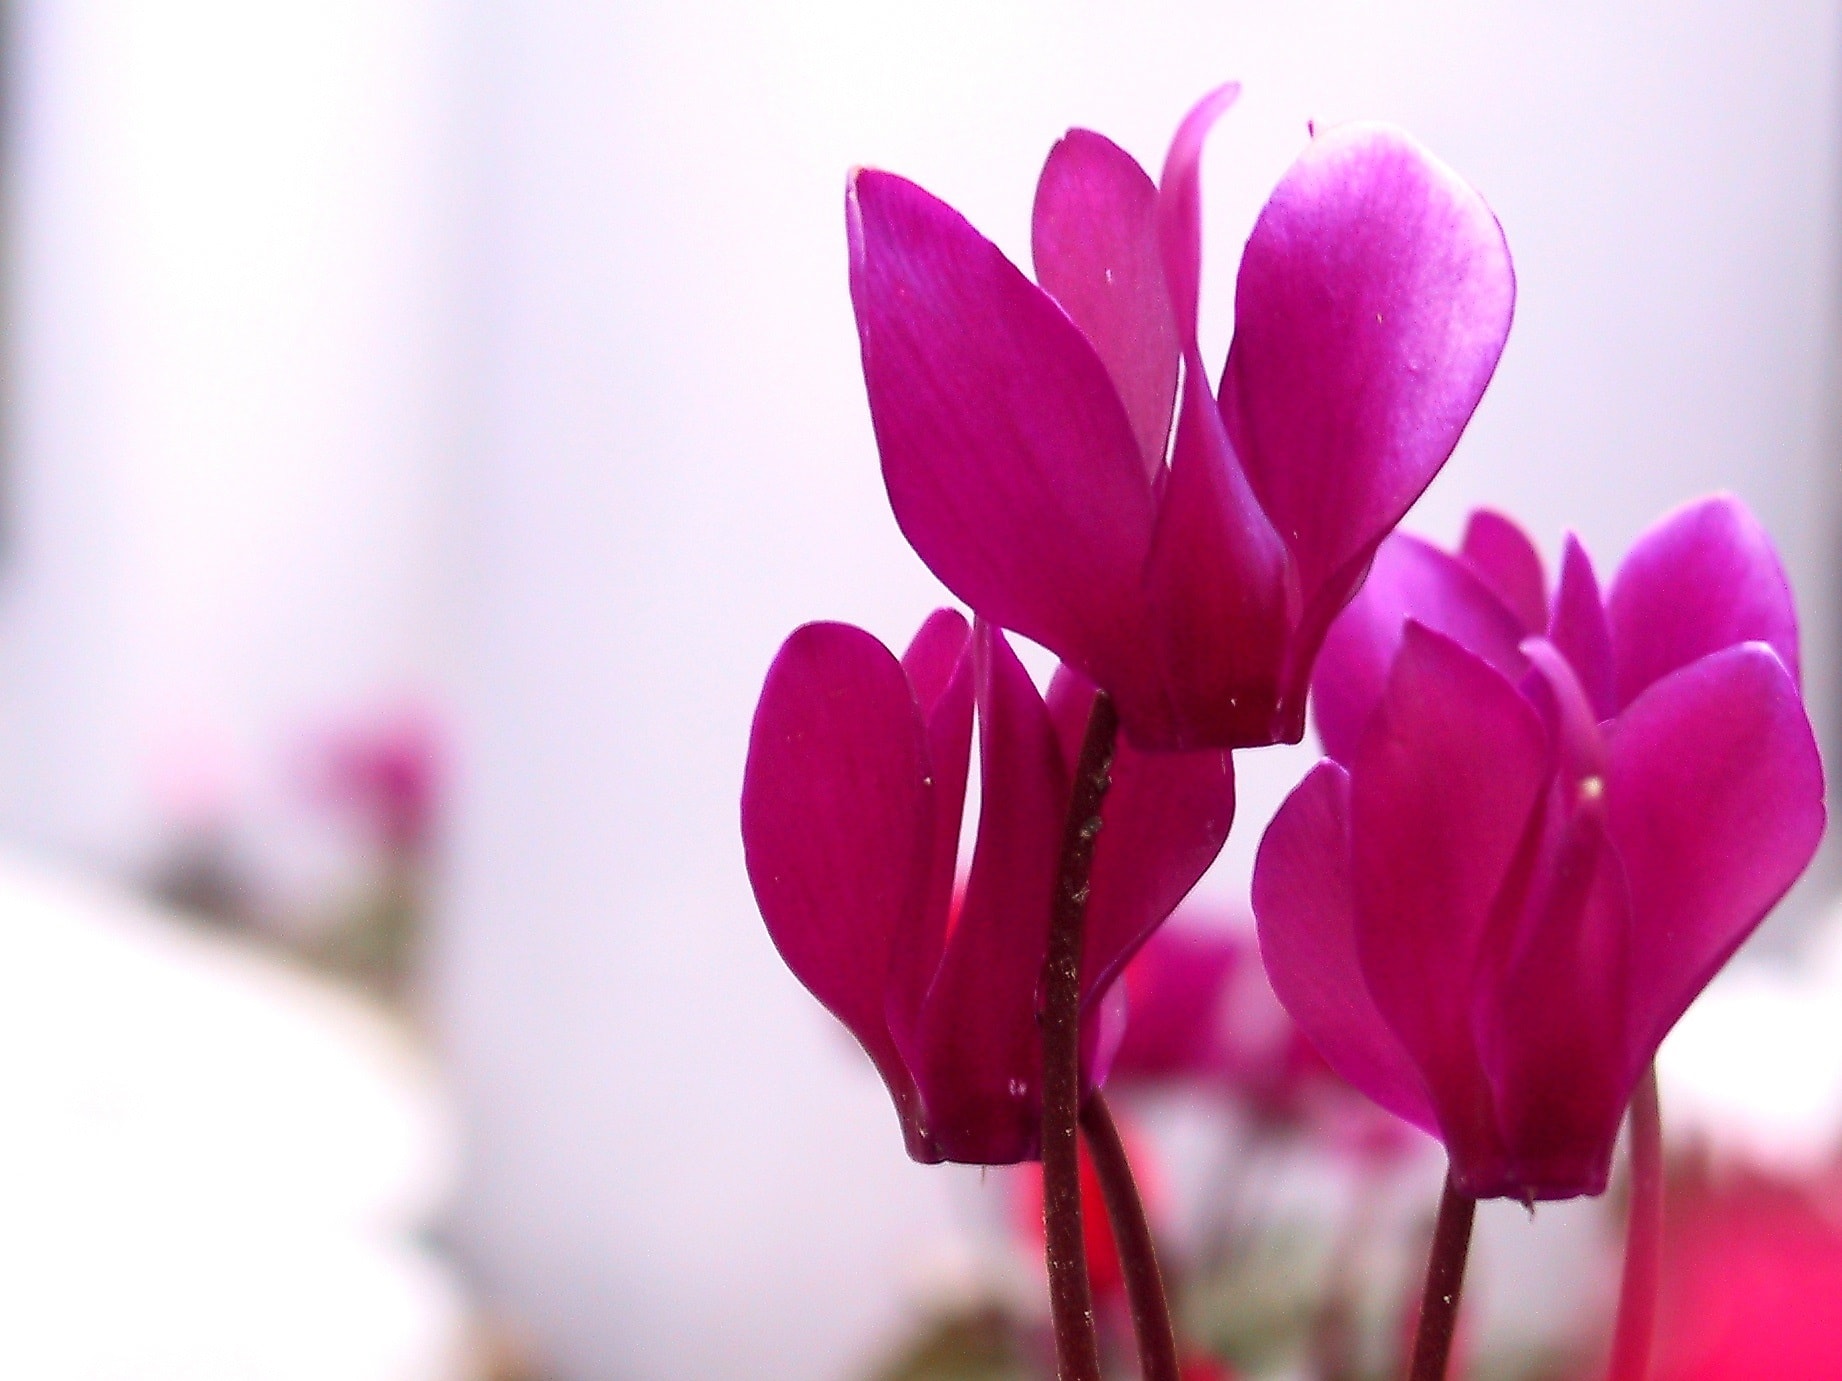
851 806
1544 825
1055 454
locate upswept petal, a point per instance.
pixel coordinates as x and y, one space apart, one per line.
1714 795
1094 238
1307 923
1409 579
1704 578
979 1055
1501 555
837 824
1221 596
1374 298
1444 787
1174 988
938 664
1010 461
1580 630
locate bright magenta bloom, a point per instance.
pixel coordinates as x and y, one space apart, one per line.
1543 826
1027 432
851 806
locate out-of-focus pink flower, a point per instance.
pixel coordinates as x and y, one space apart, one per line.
1543 826
851 807
1752 1277
1025 430
1202 1015
389 770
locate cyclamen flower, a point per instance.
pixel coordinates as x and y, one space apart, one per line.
851 806
1024 430
1544 825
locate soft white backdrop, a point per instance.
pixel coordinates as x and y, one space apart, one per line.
357 341
681 1170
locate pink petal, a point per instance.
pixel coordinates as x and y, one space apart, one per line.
1163 822
1580 629
1551 1014
1177 988
978 1060
1409 579
1501 555
1217 581
1704 578
1307 921
1444 787
938 664
1715 800
1374 299
1009 459
1094 238
837 825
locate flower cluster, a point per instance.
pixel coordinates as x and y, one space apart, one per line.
1545 822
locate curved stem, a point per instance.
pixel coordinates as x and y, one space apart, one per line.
1138 1257
1445 1278
1637 1295
1071 1297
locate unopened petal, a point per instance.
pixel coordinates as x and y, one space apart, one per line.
1715 800
1581 630
978 1059
1094 238
1307 919
1443 792
1374 298
1704 578
1009 459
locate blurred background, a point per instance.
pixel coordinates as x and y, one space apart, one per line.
423 420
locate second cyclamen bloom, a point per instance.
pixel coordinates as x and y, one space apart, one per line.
1544 825
851 806
1055 453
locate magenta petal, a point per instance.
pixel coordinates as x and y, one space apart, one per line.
1009 459
1715 800
1221 600
837 825
1444 787
1176 988
1580 629
1704 578
1094 237
1163 823
1501 555
1374 299
978 1058
1307 919
1409 579
1180 208
938 664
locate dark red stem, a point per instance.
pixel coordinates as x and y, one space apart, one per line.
1445 1278
1071 1296
1637 1296
1138 1257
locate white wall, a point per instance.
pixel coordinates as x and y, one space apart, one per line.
227 408
681 1170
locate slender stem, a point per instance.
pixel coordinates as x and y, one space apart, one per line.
1138 1257
1445 1277
1637 1295
1071 1296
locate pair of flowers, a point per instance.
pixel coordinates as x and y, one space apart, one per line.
1543 822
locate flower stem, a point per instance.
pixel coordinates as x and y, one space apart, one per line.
1445 1278
1637 1295
1138 1258
1071 1297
